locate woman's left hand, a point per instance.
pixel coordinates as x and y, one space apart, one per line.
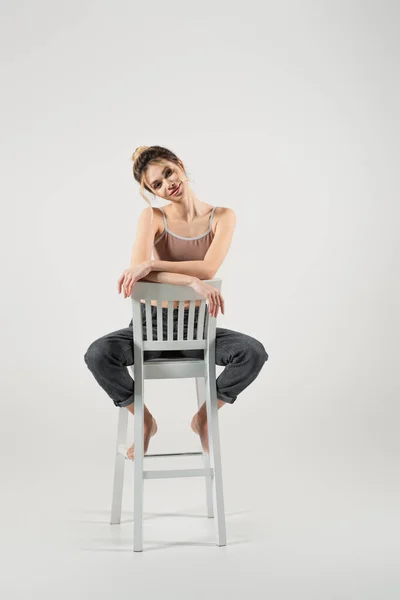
130 276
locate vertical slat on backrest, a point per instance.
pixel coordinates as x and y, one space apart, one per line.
200 321
180 319
137 326
159 321
191 319
170 327
149 328
206 320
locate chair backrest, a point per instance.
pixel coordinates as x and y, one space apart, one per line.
159 292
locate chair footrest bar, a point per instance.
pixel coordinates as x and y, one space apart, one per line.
123 448
166 473
174 454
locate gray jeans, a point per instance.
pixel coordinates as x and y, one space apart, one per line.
107 358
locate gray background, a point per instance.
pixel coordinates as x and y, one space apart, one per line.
288 113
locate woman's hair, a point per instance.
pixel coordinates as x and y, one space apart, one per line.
151 155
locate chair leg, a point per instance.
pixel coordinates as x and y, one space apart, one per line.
215 452
138 463
119 468
201 397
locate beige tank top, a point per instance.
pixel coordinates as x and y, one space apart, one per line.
172 247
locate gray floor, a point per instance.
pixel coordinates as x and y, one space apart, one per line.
291 534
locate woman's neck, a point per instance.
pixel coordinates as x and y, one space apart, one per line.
188 209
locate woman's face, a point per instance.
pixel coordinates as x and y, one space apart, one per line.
165 179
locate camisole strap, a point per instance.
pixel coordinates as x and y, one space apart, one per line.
212 216
166 226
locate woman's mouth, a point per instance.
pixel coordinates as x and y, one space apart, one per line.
176 191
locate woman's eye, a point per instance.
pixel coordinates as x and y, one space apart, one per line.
168 173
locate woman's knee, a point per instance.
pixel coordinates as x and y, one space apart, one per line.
262 352
255 349
94 355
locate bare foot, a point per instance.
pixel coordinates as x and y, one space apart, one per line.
150 428
200 427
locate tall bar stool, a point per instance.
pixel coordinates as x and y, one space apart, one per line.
203 370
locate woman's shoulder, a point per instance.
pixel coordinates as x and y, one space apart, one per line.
158 221
225 214
154 215
224 211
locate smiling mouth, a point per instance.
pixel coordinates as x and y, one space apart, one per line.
176 191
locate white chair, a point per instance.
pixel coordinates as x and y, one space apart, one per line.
203 370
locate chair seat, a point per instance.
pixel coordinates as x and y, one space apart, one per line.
172 360
172 368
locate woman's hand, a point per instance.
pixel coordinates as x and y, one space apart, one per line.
130 276
215 300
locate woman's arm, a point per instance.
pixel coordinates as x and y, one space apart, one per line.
172 278
191 268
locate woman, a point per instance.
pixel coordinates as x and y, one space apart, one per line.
190 240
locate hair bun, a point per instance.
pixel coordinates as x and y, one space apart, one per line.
139 150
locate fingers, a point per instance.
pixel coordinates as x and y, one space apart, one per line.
129 286
126 285
222 305
119 282
122 281
216 303
210 305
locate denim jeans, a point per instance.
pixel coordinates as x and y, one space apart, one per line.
107 358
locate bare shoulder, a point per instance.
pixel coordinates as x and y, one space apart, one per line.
152 214
224 215
225 212
150 218
157 217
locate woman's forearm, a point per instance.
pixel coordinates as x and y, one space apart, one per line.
172 278
195 268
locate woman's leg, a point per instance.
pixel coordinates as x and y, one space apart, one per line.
243 358
108 358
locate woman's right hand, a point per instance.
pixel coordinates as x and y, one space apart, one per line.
130 276
214 297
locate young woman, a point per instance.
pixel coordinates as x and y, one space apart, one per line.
189 239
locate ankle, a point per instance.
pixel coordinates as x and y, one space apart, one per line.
201 415
148 417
